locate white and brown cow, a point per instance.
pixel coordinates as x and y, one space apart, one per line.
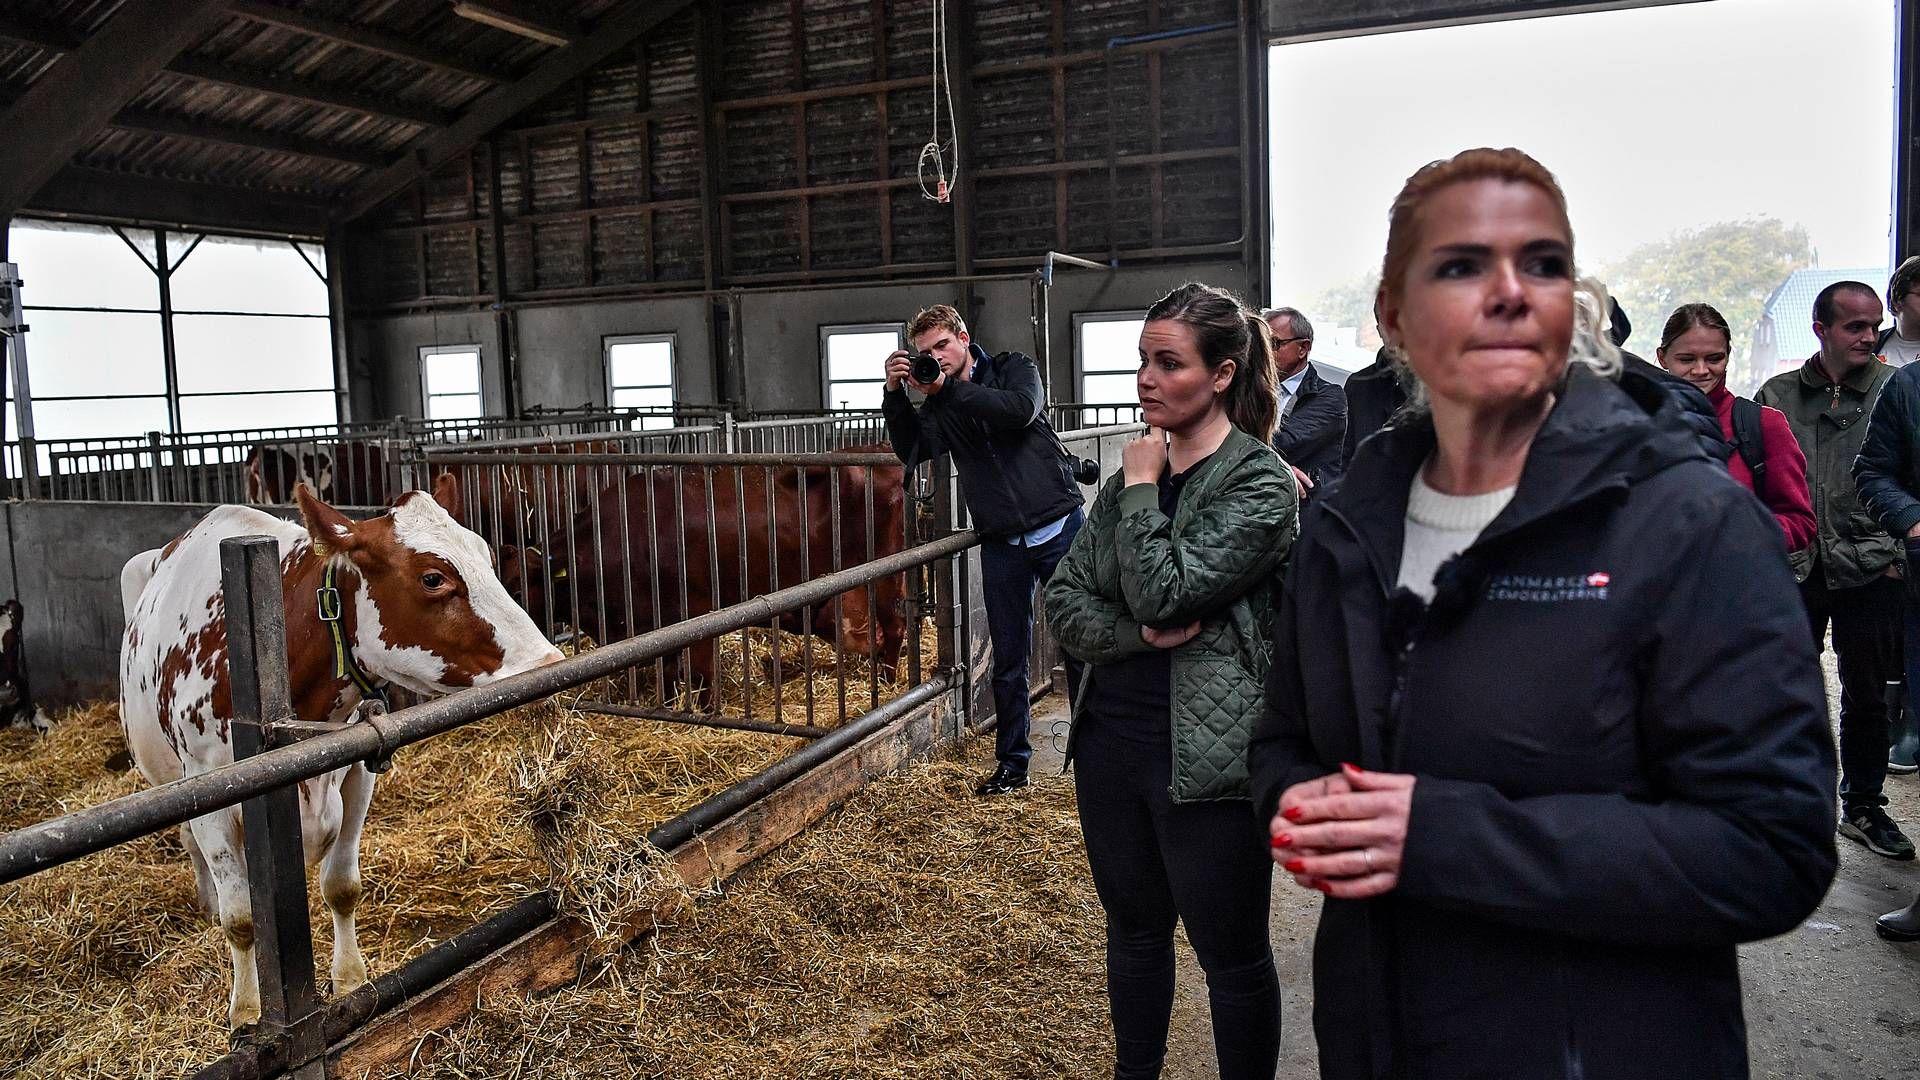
421 609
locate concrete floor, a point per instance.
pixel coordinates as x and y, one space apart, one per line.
1830 1001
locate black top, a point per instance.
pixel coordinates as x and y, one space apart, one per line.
1013 470
1134 696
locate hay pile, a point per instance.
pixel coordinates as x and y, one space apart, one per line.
108 968
917 932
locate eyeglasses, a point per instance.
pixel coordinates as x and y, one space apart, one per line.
1277 342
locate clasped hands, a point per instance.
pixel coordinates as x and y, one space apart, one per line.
1345 833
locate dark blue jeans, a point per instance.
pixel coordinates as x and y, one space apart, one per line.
1009 574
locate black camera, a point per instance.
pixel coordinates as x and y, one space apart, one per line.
1086 471
926 368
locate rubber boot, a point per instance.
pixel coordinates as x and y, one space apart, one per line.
1902 925
1905 732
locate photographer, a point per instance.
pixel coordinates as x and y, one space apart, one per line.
1019 483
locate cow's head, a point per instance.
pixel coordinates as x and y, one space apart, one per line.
428 612
535 577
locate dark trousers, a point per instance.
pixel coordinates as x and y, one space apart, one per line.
1866 636
1153 861
1009 574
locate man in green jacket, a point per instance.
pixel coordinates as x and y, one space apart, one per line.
1850 576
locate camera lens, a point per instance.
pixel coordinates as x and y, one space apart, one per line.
926 369
1086 471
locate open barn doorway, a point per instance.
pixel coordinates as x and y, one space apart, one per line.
1739 153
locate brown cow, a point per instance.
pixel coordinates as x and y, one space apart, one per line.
671 541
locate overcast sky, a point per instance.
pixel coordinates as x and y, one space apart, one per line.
1653 119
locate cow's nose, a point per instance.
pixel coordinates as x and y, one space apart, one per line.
553 656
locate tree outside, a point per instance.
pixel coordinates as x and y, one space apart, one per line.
1733 265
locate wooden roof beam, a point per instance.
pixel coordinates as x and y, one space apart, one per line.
146 122
501 104
99 194
523 19
307 92
37 35
75 99
366 38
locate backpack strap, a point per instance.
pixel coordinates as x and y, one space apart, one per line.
1748 441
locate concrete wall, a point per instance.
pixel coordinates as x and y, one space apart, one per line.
383 356
62 560
562 363
562 349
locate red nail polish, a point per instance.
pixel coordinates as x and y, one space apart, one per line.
1292 813
1348 766
1324 887
1283 840
1294 866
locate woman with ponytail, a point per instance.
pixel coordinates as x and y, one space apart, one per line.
1166 595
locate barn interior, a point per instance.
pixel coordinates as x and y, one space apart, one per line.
647 226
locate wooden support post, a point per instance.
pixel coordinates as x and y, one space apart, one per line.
251 586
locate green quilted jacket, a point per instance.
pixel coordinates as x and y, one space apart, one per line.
1217 561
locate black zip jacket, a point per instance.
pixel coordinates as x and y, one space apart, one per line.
1310 437
1374 395
1013 471
1887 469
1618 730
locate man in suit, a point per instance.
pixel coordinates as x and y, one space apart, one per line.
1313 410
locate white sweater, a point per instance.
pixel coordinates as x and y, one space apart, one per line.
1440 527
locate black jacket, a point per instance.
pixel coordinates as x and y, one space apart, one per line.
1013 471
1311 435
1619 732
1374 394
1887 471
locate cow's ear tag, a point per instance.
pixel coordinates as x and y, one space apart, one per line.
559 575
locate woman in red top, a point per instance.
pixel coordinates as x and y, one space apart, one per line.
1695 346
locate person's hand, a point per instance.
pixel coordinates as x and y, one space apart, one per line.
899 368
1914 533
1896 570
1145 458
1169 639
1344 834
1300 481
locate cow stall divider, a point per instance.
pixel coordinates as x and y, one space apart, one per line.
600 546
302 1036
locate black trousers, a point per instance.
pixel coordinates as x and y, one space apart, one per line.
1866 622
1009 574
1155 861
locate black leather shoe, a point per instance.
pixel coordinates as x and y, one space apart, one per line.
1002 782
1902 925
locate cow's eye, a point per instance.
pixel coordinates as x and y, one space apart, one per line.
433 579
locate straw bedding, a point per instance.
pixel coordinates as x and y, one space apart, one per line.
109 969
917 932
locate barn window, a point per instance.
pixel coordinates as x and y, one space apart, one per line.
450 382
250 345
640 375
96 359
1106 354
250 333
853 362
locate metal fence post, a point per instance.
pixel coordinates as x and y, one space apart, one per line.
153 466
276 860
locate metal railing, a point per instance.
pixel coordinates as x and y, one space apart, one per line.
271 757
211 466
